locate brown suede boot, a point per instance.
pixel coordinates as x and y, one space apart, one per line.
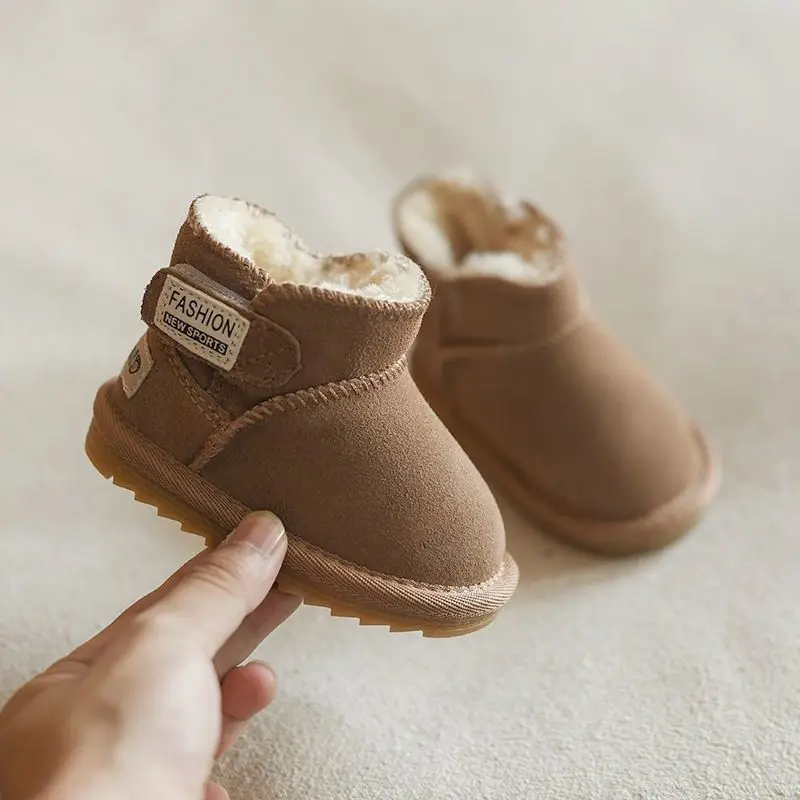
272 378
549 405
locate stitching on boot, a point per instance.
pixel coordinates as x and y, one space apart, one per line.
395 580
225 394
282 404
266 357
218 415
497 349
217 388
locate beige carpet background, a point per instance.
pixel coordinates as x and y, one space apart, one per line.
664 135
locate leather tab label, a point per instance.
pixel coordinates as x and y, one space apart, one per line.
136 368
205 326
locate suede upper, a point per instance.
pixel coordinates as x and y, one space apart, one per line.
512 349
318 420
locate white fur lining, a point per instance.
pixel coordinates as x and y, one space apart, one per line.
262 239
418 226
540 269
418 223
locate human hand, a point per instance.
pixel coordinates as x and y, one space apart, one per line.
145 707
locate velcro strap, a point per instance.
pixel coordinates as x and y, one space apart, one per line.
213 323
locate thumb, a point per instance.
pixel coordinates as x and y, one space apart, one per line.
212 596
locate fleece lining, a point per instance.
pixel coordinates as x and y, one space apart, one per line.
421 222
258 236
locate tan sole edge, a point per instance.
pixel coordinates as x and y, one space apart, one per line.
110 466
624 539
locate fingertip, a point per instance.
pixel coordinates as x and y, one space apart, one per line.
248 689
264 683
262 530
215 792
265 670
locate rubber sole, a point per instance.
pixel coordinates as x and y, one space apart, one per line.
145 491
654 532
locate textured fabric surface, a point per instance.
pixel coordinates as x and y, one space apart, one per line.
662 135
389 488
580 419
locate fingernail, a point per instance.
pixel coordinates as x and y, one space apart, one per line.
261 530
264 665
